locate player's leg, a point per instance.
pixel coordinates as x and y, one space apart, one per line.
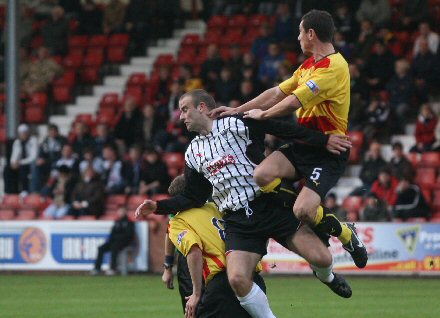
240 269
306 244
101 250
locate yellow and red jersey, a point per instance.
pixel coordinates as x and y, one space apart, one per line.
323 88
204 227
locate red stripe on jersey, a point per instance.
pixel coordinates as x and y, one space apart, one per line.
324 63
310 62
206 270
215 260
168 227
321 123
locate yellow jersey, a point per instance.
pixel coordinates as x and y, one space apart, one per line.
323 88
204 227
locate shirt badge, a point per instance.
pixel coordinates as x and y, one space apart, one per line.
313 86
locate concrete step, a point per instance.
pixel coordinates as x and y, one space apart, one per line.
353 170
98 91
90 101
115 80
127 70
155 51
407 141
349 182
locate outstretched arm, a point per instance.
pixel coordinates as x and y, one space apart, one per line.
195 266
283 108
167 277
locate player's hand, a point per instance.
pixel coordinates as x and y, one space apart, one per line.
254 114
222 111
337 144
167 278
145 209
191 306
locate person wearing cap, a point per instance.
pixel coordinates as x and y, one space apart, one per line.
374 209
24 153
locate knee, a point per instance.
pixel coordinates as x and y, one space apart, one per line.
262 176
321 259
304 213
240 284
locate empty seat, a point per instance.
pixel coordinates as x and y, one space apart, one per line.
39 100
238 21
26 214
98 40
109 100
430 159
134 201
174 160
72 61
33 202
217 21
68 78
353 203
258 19
78 41
119 39
7 214
115 200
34 115
87 218
116 54
62 94
425 177
137 79
356 138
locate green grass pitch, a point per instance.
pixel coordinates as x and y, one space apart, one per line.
144 296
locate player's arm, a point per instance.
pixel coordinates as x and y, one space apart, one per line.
283 108
197 191
167 277
195 266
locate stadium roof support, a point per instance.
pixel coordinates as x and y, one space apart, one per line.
12 88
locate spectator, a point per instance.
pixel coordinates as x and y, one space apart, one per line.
250 74
401 89
90 160
112 175
425 70
176 91
88 196
247 91
82 139
414 11
133 169
261 44
61 192
211 67
425 127
114 14
121 236
379 68
25 30
49 153
377 120
128 125
56 31
268 69
163 83
331 203
72 8
426 33
365 41
341 45
284 71
284 26
90 18
399 164
374 210
103 137
68 159
137 22
436 145
377 11
226 88
410 202
235 61
190 81
345 22
155 178
41 73
358 98
23 156
385 186
176 136
372 164
149 126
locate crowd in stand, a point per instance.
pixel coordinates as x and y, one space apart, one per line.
394 61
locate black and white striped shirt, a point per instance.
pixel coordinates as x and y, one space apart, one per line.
221 157
222 163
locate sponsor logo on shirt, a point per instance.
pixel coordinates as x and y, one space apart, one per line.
219 164
313 86
181 236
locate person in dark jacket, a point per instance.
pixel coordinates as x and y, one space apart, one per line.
121 236
55 32
155 178
410 201
88 196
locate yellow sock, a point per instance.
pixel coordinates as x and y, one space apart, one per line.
345 236
319 215
271 186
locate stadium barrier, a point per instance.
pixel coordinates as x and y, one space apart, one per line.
393 248
63 245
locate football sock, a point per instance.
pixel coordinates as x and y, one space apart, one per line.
256 303
325 274
271 186
285 192
345 236
330 224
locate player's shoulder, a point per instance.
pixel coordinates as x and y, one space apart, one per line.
336 60
230 122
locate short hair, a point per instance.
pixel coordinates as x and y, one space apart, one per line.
321 22
177 186
397 145
200 95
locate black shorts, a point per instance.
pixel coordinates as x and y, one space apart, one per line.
219 300
184 279
320 169
268 220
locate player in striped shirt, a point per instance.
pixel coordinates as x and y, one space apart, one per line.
220 162
319 94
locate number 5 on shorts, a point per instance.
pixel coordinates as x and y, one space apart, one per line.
316 174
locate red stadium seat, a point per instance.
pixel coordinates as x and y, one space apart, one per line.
232 37
430 159
68 218
77 51
78 41
436 200
94 60
34 115
85 118
90 75
106 115
190 40
211 38
62 94
134 201
7 214
38 100
72 62
357 138
87 218
33 202
425 177
109 100
26 215
258 19
174 160
120 39
427 193
136 92
98 41
164 59
3 134
414 158
109 217
238 21
67 79
158 197
355 155
353 204
116 54
137 79
217 21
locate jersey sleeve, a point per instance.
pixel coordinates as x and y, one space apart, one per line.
289 85
182 236
318 88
